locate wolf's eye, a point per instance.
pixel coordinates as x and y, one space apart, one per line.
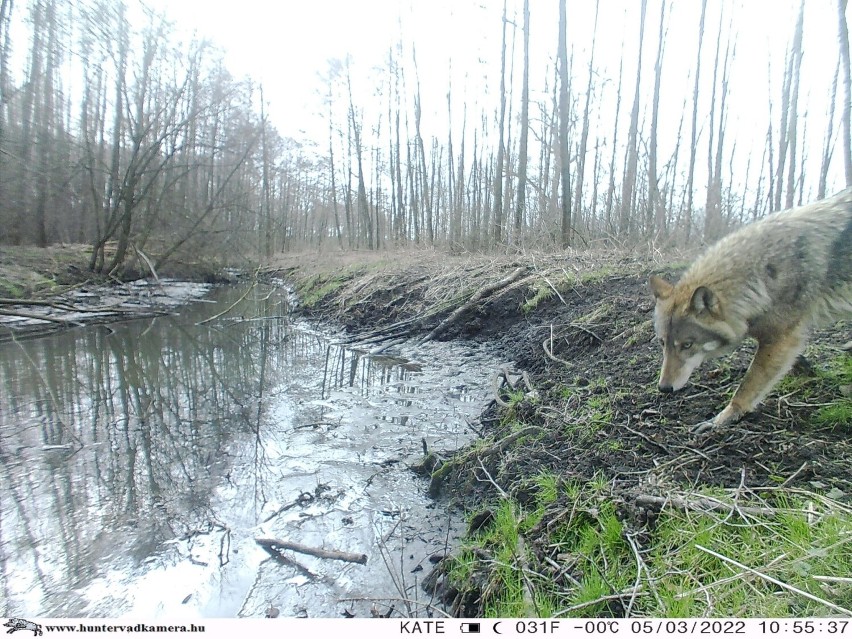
686 346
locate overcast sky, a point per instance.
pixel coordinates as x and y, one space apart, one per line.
285 45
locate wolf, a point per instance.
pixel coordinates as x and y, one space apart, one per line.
772 280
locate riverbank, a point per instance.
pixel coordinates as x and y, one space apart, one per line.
588 494
43 290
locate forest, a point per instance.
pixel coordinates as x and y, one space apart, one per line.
120 133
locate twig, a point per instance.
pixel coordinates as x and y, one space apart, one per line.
287 561
646 438
553 288
777 582
586 604
147 261
580 327
314 425
787 481
704 504
502 492
227 310
495 388
36 316
828 579
428 606
549 350
315 552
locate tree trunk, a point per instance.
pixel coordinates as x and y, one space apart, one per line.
793 121
846 73
828 144
690 179
520 205
584 136
567 224
656 220
497 230
628 188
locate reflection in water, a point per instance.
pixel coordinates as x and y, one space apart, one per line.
138 461
110 439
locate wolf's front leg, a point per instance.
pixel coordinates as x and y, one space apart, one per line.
774 357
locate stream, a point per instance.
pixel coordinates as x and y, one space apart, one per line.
139 461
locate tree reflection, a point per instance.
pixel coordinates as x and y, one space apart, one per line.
112 439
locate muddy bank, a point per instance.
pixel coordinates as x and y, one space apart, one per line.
581 329
43 290
579 408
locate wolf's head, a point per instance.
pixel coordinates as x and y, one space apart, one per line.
691 327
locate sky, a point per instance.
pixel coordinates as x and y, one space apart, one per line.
286 45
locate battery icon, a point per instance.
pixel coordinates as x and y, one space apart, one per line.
470 627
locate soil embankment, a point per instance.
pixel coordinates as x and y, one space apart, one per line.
588 493
577 442
43 290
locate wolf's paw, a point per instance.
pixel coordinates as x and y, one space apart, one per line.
730 415
703 428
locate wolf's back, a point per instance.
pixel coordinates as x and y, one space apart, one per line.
797 261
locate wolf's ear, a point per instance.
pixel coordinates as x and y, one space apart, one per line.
704 300
660 287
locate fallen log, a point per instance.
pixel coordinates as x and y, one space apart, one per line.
482 293
272 545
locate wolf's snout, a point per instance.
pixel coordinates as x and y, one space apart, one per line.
665 388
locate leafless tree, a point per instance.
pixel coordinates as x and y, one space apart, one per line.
846 74
567 228
628 185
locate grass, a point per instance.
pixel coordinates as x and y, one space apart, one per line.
317 287
542 292
830 380
594 564
28 271
599 274
545 290
595 406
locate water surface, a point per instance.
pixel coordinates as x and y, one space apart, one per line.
139 461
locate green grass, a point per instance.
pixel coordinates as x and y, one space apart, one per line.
11 289
544 290
599 275
595 407
827 381
542 293
667 569
833 373
790 547
313 290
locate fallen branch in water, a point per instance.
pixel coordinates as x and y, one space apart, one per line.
36 316
272 545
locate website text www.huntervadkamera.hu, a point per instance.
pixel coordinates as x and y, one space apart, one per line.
137 627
